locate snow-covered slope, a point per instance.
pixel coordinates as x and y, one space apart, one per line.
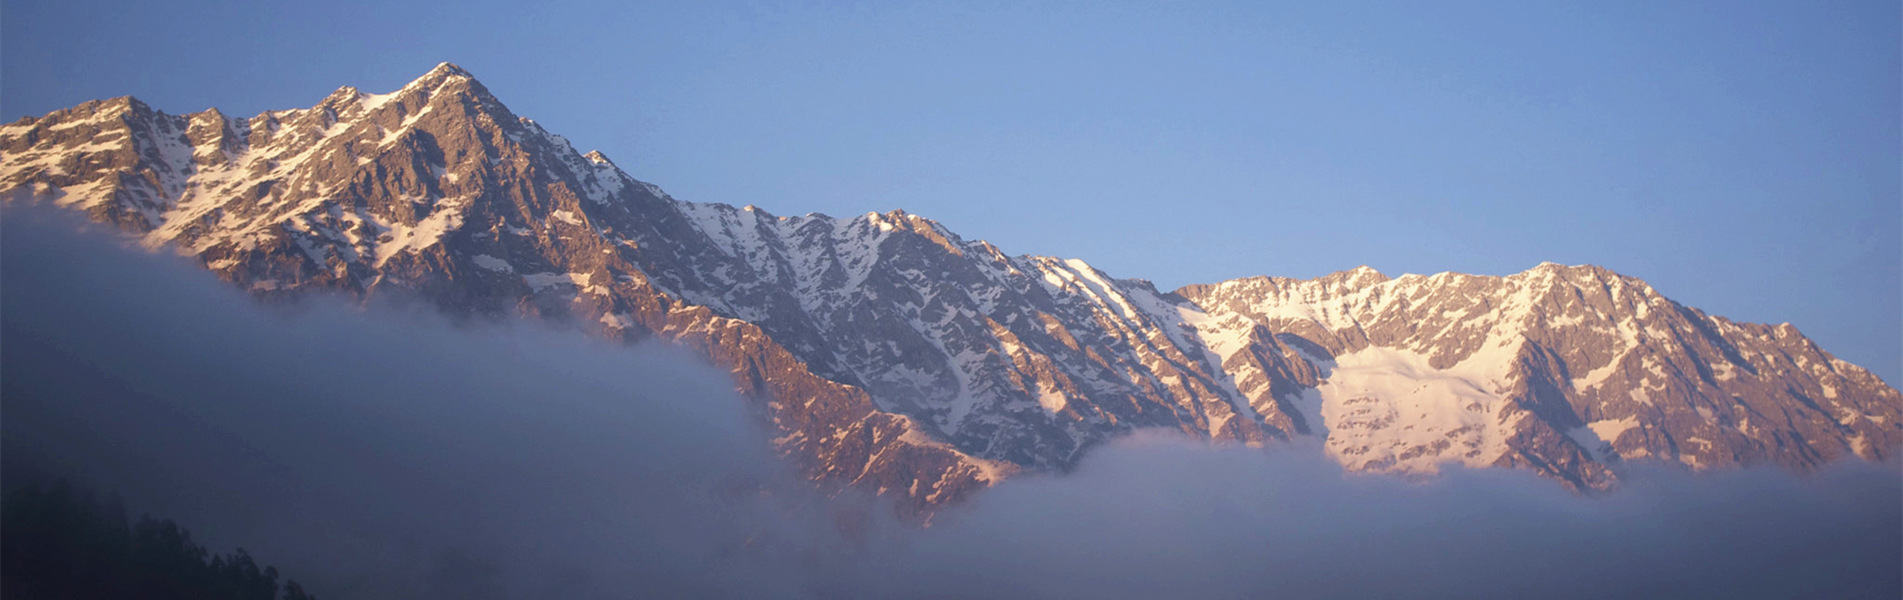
1557 366
895 355
1022 359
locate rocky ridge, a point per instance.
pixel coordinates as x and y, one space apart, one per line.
894 355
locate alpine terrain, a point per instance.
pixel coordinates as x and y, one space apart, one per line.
894 355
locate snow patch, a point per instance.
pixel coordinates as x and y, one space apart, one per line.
1390 409
1052 400
492 263
543 281
1610 429
617 321
1597 376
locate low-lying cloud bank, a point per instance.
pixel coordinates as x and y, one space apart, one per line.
385 453
1149 517
390 453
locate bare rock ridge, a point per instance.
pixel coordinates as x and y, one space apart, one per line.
894 355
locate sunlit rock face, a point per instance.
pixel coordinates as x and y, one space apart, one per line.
891 354
1561 369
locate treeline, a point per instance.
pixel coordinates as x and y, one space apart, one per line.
62 543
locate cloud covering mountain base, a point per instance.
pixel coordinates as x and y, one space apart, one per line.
391 453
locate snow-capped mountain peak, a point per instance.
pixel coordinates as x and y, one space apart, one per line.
893 354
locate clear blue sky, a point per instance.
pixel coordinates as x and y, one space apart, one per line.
1744 157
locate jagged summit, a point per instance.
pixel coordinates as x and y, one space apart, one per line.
893 354
1361 276
446 69
444 73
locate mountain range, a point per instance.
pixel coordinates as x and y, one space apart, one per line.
891 354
